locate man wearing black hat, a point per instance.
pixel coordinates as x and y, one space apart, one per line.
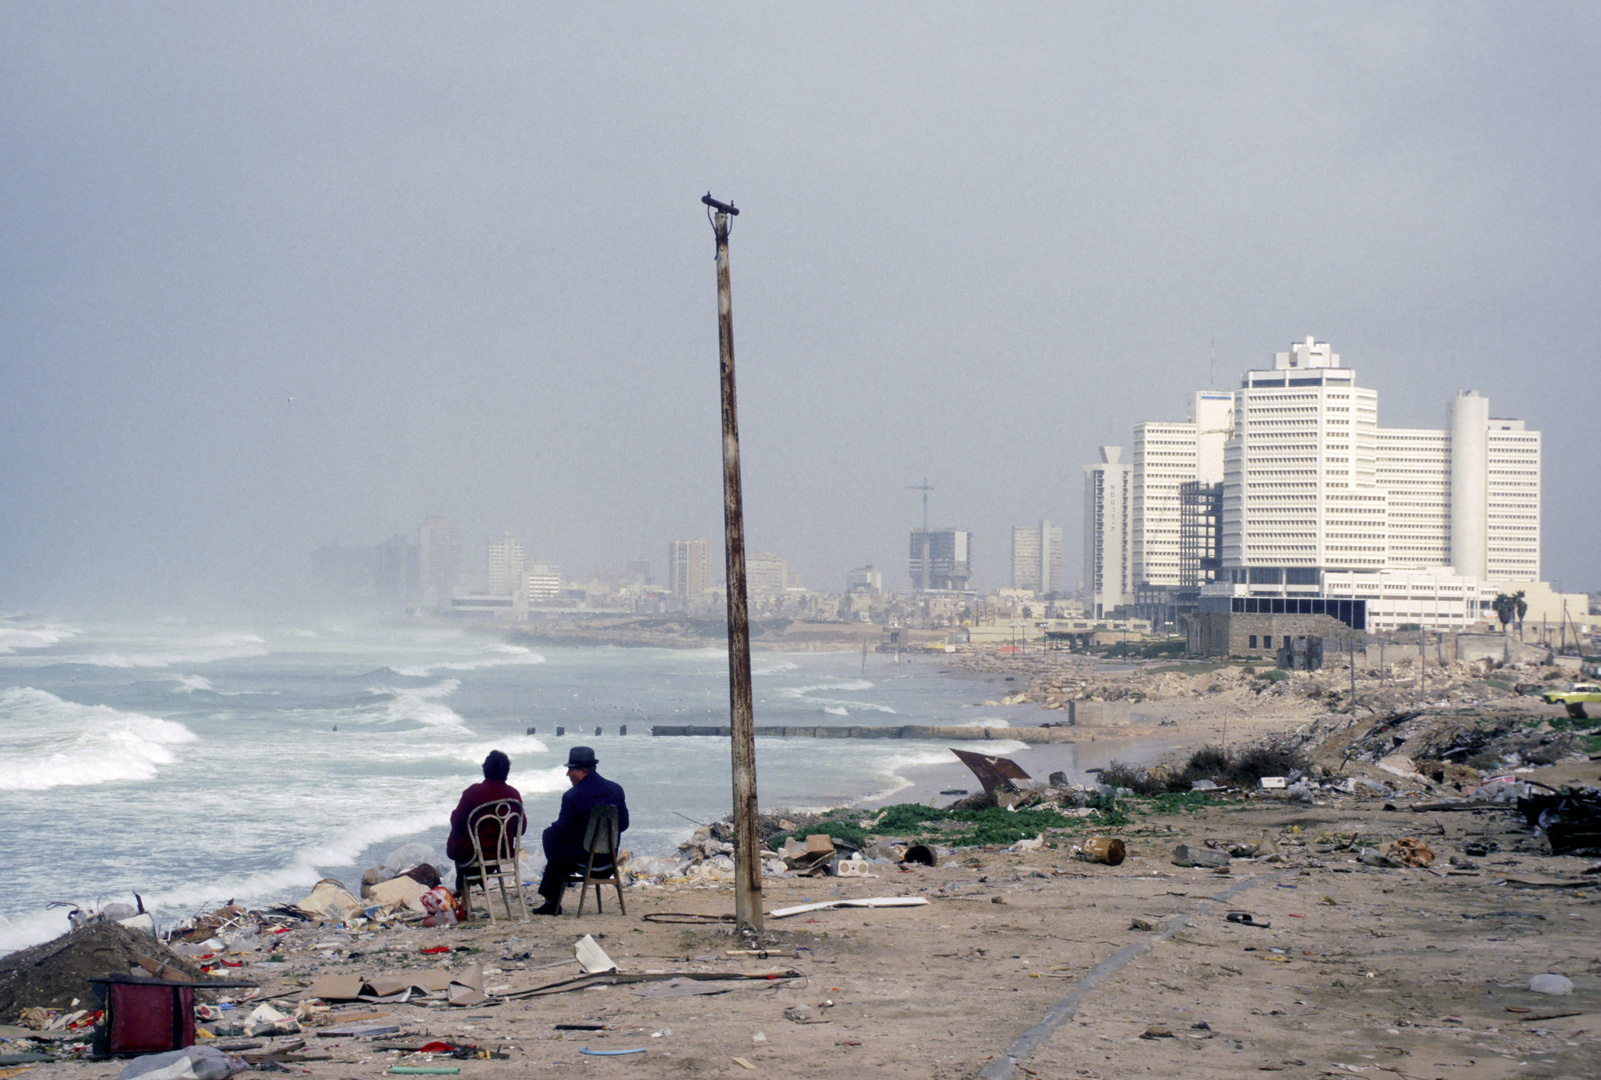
564 840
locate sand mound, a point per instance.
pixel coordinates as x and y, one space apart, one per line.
52 974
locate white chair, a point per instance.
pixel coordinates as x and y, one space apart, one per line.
495 828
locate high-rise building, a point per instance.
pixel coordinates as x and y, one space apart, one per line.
1300 486
438 562
505 565
1037 558
1307 500
766 574
1166 455
541 583
940 559
1106 533
687 568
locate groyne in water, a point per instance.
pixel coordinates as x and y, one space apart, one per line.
905 731
1080 715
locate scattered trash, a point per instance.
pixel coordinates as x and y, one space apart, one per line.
1551 984
1101 849
1142 924
1245 918
1370 857
191 1063
1410 851
994 773
611 1053
1207 858
867 902
743 1064
591 957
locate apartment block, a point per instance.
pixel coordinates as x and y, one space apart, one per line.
688 568
1037 558
1107 533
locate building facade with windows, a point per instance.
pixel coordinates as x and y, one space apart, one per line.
1107 585
1316 501
688 568
1037 558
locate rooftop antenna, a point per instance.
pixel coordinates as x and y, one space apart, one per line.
1211 371
925 488
922 569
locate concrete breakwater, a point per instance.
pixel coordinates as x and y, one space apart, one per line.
1083 714
905 731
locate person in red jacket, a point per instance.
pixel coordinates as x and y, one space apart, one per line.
497 766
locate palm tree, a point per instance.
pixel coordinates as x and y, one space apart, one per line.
1522 607
1505 608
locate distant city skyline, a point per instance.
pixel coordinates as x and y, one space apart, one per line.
278 279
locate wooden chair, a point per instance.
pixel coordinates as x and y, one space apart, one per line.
600 841
495 828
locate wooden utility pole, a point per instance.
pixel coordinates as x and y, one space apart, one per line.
747 844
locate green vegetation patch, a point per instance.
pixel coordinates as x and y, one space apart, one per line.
1181 802
992 825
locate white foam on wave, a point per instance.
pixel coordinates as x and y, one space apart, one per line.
828 704
55 743
516 747
189 684
221 647
422 706
13 638
505 656
992 721
25 930
768 666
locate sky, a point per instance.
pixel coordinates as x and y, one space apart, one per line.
284 275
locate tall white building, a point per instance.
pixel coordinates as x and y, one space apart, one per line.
1037 558
1300 486
1106 533
505 565
1167 455
1424 525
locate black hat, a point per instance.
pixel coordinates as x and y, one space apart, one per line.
581 757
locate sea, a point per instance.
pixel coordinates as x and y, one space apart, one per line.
197 764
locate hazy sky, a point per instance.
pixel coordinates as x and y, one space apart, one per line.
281 275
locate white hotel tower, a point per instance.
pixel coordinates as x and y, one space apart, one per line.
1425 526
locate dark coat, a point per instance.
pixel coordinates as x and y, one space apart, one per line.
564 840
460 846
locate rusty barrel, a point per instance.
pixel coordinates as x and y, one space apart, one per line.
1103 849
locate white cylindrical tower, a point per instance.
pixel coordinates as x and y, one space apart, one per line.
1470 475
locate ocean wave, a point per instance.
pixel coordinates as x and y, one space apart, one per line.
13 638
222 647
440 689
508 655
836 710
59 743
423 708
767 666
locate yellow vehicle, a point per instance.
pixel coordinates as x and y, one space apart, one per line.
1575 698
